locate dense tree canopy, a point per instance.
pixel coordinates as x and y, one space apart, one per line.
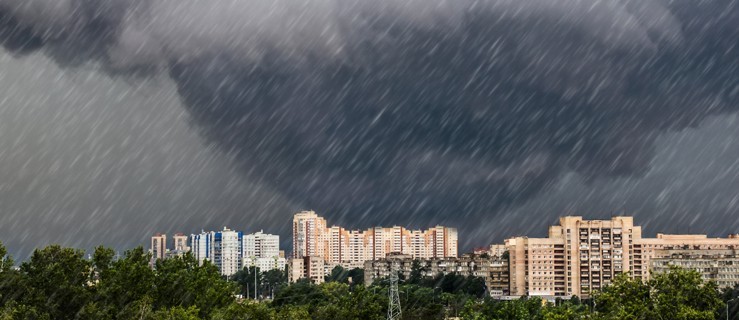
60 283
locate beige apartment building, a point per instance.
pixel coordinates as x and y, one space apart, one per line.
351 248
721 266
311 268
158 246
581 256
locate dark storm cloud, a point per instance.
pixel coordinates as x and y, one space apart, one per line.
421 111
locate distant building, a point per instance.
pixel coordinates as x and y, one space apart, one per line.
311 268
180 246
263 250
180 242
721 266
493 269
223 248
158 246
201 246
351 248
582 256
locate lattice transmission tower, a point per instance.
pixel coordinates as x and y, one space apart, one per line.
393 308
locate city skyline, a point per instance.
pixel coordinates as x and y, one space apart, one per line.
579 256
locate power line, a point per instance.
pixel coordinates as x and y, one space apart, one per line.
393 309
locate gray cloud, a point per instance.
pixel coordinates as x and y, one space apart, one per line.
412 112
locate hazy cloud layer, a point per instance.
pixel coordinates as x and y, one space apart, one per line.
412 112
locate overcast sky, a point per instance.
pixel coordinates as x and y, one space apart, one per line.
119 119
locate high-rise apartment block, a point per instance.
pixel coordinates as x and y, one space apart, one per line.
180 243
261 245
223 248
582 256
263 250
351 248
158 246
159 249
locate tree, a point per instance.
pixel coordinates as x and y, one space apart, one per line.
302 292
177 313
6 261
272 281
252 311
246 281
682 294
290 312
121 282
338 274
626 298
676 294
416 274
357 276
11 287
58 281
182 281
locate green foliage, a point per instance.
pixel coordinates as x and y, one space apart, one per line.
256 311
417 271
682 294
58 283
246 281
6 261
177 313
677 294
181 281
626 298
339 274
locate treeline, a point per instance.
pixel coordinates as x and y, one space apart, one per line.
59 283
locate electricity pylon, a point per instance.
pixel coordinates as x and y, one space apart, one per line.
393 308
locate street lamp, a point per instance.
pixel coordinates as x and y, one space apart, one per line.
727 307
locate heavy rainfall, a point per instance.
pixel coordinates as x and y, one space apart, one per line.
123 118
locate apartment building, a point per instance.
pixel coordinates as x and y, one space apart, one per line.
351 248
160 250
180 243
263 250
158 246
311 268
660 247
223 248
582 256
494 269
721 266
309 235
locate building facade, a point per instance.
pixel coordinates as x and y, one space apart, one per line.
311 268
721 266
263 250
582 256
158 246
180 242
223 248
351 248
